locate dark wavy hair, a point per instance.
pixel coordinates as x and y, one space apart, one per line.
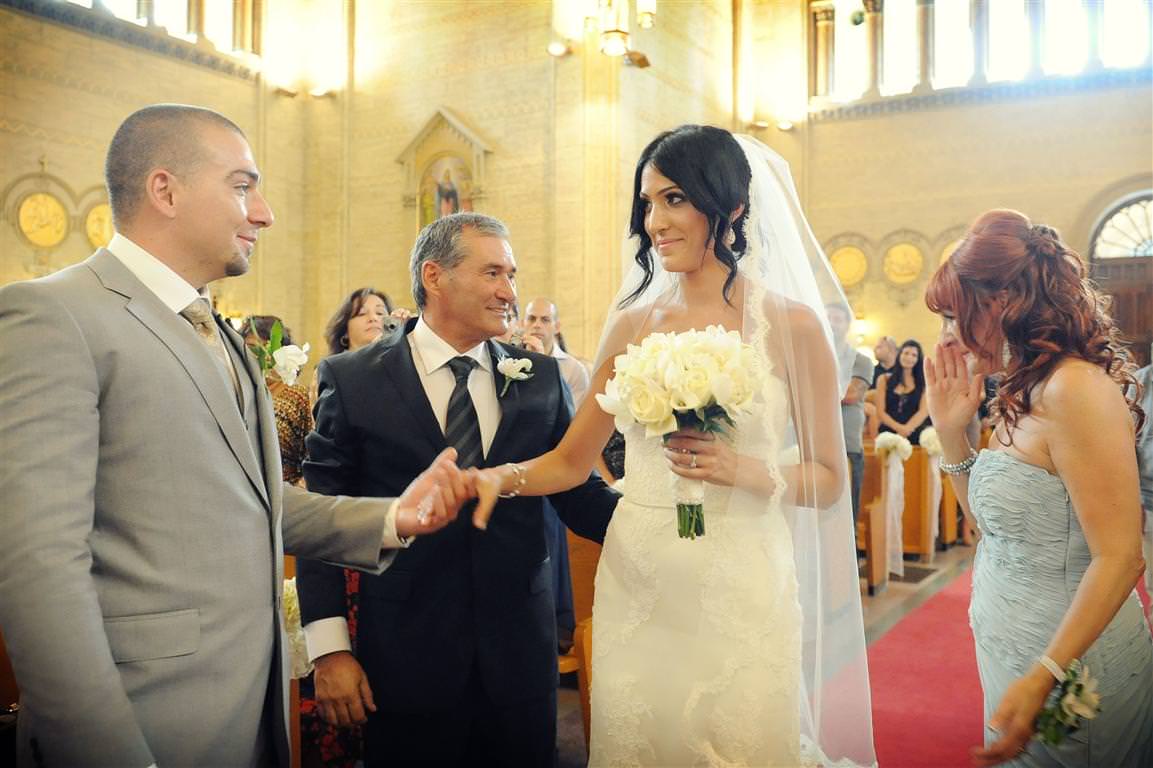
261 326
709 166
1052 312
918 369
336 333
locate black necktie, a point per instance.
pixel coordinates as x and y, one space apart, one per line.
462 430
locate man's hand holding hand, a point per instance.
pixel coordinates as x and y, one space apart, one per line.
434 498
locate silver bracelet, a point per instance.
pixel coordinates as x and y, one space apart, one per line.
521 479
961 467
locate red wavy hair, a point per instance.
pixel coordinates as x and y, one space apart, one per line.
1053 311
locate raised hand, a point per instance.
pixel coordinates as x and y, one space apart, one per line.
434 498
954 395
342 691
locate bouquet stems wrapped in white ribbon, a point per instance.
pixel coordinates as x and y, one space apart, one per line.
699 380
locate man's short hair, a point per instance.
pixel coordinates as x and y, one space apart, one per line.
157 136
439 242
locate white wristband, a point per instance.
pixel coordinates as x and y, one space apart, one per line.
1053 667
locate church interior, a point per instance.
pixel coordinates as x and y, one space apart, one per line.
901 121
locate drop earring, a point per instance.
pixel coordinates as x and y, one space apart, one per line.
1006 354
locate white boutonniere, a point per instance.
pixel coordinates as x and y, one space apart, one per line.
514 369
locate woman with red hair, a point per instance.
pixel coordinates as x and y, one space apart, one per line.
1055 495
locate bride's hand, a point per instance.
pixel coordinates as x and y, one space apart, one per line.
488 483
701 456
954 395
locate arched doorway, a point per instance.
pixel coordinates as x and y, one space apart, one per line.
1121 262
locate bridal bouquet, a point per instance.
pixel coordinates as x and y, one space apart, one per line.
298 651
691 380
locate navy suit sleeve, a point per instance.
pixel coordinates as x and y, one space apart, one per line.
329 469
587 508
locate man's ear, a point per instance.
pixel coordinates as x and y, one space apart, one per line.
431 275
161 191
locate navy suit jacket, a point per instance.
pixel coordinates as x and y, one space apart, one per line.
460 597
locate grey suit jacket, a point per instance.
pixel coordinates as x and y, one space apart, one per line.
144 522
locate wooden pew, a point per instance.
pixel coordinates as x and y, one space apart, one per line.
917 520
584 555
949 530
873 523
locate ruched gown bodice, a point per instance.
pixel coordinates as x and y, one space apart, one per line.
1030 561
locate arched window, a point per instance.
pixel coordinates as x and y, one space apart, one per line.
1126 231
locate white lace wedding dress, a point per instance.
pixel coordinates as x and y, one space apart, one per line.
696 643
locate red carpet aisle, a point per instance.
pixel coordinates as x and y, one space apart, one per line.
926 693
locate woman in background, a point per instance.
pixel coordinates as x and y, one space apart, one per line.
290 402
901 395
361 319
1055 494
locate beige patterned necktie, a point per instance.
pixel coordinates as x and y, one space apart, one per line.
199 315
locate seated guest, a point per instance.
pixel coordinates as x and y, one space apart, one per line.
886 353
901 395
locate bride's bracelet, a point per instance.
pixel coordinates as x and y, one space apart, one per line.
961 467
521 479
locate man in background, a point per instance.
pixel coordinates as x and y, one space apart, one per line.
541 320
853 367
886 354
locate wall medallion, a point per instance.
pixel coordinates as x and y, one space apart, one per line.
42 219
903 263
98 225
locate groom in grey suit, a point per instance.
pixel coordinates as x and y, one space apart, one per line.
142 513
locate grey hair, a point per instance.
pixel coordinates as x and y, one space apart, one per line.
439 242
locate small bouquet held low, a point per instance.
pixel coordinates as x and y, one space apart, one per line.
285 359
700 380
1073 699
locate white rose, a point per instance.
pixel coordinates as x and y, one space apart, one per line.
287 362
690 381
733 388
611 403
1083 705
515 368
650 406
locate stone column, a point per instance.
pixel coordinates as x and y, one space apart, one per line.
824 15
1036 11
979 20
196 19
1093 17
925 36
875 29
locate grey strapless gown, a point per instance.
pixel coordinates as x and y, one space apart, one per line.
1030 561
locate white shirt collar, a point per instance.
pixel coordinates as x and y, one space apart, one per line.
158 277
434 352
557 352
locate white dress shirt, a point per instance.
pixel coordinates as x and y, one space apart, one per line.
430 355
574 373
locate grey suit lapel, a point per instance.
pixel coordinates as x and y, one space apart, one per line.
265 415
178 336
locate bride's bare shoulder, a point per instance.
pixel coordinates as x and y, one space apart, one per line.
803 321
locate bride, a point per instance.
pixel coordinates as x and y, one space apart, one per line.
743 646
